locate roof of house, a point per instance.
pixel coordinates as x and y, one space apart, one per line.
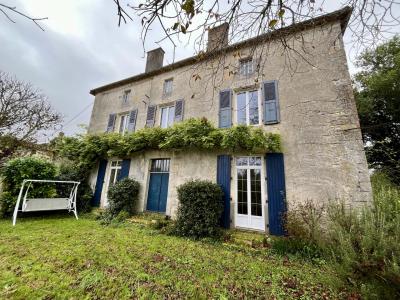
342 15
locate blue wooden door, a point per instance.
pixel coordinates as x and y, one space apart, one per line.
99 182
276 193
158 186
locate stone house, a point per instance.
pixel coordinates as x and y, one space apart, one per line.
303 93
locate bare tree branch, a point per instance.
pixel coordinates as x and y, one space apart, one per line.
24 114
4 8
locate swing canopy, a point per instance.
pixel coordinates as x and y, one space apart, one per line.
65 201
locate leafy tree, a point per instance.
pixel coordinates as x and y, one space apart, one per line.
378 103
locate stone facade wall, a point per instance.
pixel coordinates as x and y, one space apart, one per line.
322 145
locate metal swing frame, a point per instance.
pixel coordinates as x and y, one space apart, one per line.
45 204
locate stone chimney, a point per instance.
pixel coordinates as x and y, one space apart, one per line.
154 60
218 37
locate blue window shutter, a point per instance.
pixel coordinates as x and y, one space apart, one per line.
132 120
111 122
99 182
151 116
126 163
225 109
271 102
224 180
276 193
179 105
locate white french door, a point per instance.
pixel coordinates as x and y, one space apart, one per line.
113 176
250 201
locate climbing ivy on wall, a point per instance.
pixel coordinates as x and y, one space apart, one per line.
195 134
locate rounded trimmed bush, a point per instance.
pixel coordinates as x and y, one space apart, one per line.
123 196
200 209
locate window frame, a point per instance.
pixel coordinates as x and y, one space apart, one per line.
249 63
125 96
247 106
168 109
166 92
123 128
248 167
116 166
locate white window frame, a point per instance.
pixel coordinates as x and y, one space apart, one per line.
248 106
125 96
259 221
246 67
123 123
117 166
168 109
168 87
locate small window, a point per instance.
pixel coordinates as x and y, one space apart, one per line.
125 97
123 124
160 165
168 87
246 67
167 116
247 108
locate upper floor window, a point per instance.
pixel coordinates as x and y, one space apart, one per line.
246 67
167 116
125 96
247 108
167 87
123 123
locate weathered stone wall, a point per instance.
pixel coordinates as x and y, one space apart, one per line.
322 146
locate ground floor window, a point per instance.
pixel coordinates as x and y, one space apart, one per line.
115 171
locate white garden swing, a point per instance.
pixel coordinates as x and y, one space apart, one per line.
45 204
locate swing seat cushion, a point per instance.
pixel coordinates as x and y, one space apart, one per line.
39 204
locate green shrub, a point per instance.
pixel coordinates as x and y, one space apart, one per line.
365 242
200 208
304 221
122 200
71 172
7 203
296 246
18 169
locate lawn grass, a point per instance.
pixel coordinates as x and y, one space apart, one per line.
60 257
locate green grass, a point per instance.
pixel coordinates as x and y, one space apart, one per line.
60 257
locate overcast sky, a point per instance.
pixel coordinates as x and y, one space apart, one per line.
81 48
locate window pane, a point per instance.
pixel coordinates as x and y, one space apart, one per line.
242 191
111 179
255 161
253 107
121 124
171 115
164 117
168 87
241 108
242 161
117 175
256 203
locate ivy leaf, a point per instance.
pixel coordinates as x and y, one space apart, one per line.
272 23
183 29
175 27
